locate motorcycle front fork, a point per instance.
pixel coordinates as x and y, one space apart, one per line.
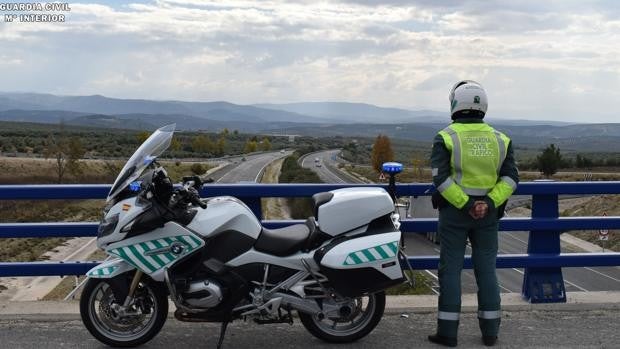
132 289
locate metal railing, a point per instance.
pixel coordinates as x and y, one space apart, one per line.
543 281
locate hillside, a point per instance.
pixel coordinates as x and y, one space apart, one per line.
609 204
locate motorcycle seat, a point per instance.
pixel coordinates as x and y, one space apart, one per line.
284 241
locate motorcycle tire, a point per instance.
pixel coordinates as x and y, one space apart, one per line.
346 334
114 329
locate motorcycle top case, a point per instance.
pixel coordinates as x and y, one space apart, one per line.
351 208
361 265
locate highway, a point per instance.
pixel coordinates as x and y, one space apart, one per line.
510 280
248 170
324 166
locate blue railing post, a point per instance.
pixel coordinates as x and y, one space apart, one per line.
544 285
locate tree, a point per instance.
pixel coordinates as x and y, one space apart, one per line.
265 144
197 169
250 146
175 144
142 136
381 152
75 151
56 149
202 144
66 152
220 147
549 160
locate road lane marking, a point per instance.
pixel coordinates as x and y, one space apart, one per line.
516 238
436 278
602 274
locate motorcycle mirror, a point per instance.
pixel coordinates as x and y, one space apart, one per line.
196 179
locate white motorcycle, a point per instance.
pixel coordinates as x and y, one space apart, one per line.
217 263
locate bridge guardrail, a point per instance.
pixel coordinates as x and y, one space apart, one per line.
543 281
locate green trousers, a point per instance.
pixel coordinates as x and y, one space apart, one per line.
454 228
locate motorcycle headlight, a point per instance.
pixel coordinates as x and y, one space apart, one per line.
107 225
396 220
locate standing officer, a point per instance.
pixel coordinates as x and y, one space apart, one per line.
474 172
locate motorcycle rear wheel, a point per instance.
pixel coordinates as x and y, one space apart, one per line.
109 327
366 314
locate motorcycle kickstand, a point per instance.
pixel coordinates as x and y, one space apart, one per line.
220 341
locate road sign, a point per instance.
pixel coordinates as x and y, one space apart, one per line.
603 234
381 176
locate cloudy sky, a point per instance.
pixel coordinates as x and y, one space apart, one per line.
552 60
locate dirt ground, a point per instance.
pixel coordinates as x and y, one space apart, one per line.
274 208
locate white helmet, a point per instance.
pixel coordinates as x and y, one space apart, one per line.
468 95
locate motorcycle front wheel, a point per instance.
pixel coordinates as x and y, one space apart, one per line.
134 326
357 319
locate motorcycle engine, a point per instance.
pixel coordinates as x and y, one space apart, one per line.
203 294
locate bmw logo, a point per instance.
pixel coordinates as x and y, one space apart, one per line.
177 248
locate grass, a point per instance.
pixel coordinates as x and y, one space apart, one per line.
32 249
422 285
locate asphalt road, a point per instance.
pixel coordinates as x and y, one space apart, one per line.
248 170
520 329
323 167
510 280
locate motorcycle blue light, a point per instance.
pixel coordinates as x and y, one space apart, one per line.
392 167
135 186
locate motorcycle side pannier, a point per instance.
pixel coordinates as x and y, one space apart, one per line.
361 265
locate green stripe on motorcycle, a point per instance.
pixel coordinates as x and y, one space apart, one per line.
136 254
142 259
121 253
160 263
386 251
368 255
393 246
382 252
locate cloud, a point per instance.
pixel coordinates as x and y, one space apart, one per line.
555 55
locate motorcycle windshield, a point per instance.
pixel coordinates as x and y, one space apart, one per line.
153 147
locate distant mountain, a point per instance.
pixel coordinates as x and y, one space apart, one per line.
356 112
38 116
183 122
582 137
97 104
318 119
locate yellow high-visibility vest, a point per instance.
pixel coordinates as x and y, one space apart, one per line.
477 152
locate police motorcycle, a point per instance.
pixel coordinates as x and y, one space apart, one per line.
216 263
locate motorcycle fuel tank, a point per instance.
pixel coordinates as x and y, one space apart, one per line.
225 213
352 208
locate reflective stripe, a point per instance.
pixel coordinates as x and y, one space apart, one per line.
445 185
435 171
510 182
475 192
444 315
502 149
489 314
469 191
456 154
